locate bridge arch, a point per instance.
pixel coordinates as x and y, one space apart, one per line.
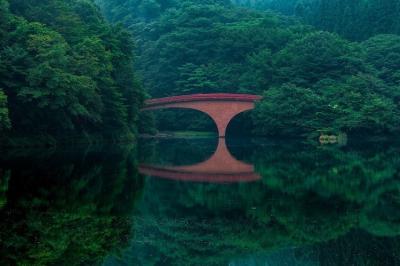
221 107
241 118
186 119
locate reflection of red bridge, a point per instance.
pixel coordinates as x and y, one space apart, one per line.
221 167
221 107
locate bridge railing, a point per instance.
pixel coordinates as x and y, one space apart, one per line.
203 97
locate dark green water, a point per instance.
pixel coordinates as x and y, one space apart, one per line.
302 204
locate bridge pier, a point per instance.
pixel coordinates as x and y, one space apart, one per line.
223 114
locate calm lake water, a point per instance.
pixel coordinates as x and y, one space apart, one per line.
202 202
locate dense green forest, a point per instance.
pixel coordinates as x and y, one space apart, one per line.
353 19
320 65
65 71
310 79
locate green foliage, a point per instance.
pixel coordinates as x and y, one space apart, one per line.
318 56
352 19
4 179
311 80
206 46
354 106
4 119
356 19
322 82
383 52
287 110
286 7
65 71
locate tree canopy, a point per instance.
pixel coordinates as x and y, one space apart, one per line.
311 80
353 19
65 71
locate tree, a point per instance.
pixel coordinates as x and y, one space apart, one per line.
352 19
318 80
4 119
383 52
356 106
318 56
66 72
288 110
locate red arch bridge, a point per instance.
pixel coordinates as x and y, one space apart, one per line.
221 107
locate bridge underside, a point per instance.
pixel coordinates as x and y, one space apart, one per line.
221 110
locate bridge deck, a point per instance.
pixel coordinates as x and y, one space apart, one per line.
203 97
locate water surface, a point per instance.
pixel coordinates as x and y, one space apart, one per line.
202 202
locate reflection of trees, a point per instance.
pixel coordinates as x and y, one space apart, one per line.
176 151
352 183
323 199
4 177
359 249
68 209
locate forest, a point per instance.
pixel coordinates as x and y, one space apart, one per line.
83 68
352 19
312 77
65 72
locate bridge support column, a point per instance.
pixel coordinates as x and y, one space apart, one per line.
222 117
223 112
